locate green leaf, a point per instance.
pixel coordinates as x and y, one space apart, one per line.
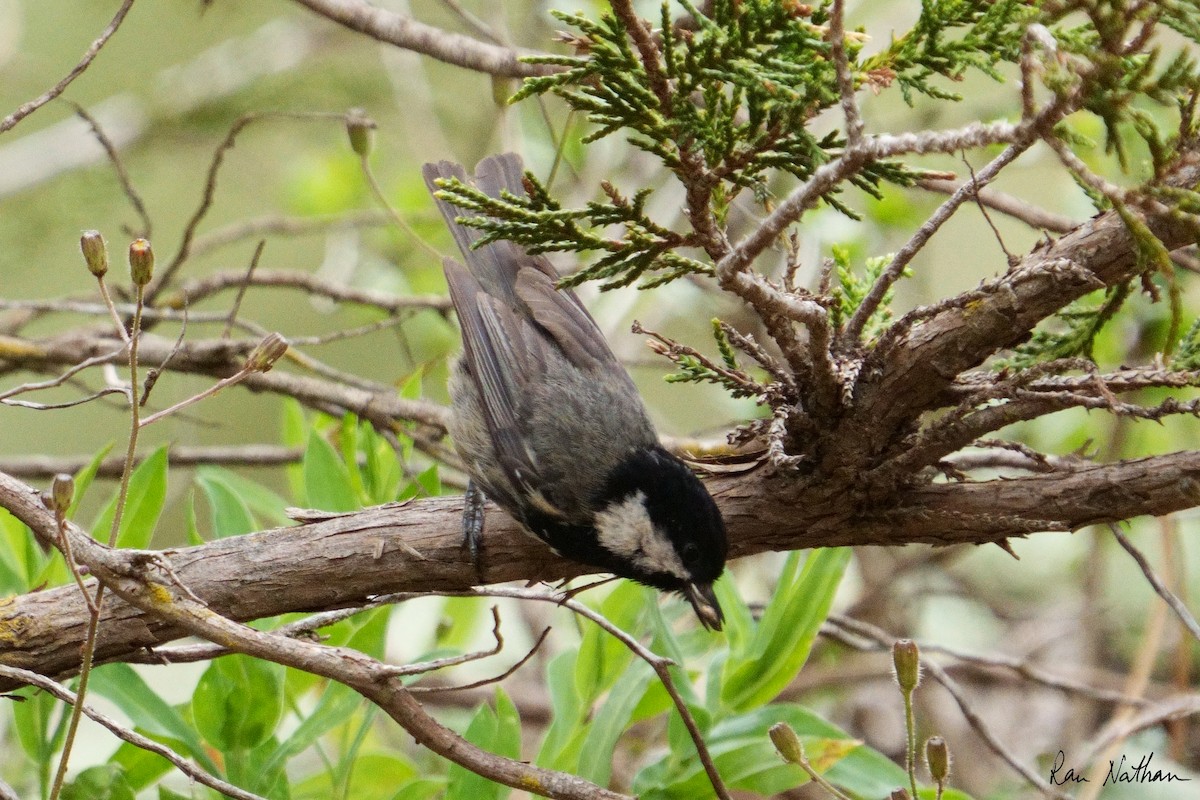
104 782
610 722
238 702
143 768
191 527
262 502
21 560
326 480
497 731
230 516
783 637
421 789
381 469
348 444
85 476
143 503
747 761
338 702
602 658
295 434
567 707
31 718
123 685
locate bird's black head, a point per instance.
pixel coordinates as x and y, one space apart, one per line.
661 528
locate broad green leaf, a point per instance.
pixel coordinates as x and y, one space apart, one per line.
295 434
222 707
783 637
603 658
421 789
21 560
381 469
566 716
348 443
123 685
104 782
85 476
378 775
190 525
739 622
426 484
338 702
263 503
611 721
230 516
326 480
170 794
484 732
745 758
143 768
143 503
31 718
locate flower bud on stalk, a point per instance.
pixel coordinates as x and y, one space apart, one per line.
95 253
141 262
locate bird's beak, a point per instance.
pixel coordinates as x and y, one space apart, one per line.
704 601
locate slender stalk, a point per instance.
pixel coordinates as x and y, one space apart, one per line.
89 646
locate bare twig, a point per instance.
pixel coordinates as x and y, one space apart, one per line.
918 240
660 665
147 581
1170 598
408 33
118 165
845 80
1015 207
184 250
280 225
881 637
88 57
486 681
125 734
241 292
194 290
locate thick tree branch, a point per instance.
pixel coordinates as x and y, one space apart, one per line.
341 560
150 583
916 362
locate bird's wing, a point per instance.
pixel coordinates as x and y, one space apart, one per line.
502 358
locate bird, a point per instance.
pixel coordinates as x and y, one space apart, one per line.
550 425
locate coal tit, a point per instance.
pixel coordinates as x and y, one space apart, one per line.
551 427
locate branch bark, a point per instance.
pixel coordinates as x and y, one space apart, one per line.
343 560
409 34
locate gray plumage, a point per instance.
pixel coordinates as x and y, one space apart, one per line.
551 427
530 347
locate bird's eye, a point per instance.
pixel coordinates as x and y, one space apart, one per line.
689 552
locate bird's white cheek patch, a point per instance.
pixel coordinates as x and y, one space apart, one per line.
625 530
